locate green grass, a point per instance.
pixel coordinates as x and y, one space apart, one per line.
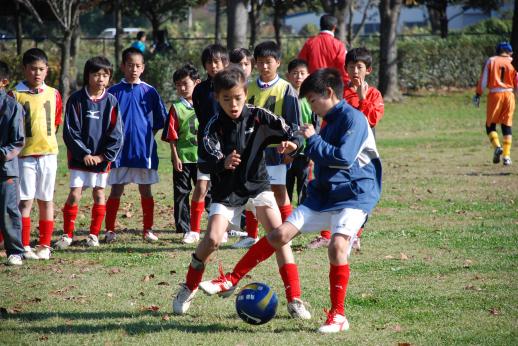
438 263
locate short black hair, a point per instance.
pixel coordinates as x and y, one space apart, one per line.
187 70
140 34
238 54
320 80
94 65
214 51
328 22
266 49
34 54
4 70
126 53
359 54
229 78
297 63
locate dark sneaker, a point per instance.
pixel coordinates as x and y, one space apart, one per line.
496 154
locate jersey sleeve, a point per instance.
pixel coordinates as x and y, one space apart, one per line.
171 127
159 112
210 156
291 108
59 110
114 135
72 130
372 106
277 130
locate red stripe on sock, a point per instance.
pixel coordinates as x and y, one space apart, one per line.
359 234
193 278
285 211
112 206
252 225
259 252
290 277
148 208
325 234
98 213
196 213
26 231
338 281
46 229
69 219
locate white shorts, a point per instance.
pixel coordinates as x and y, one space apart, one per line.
127 175
202 176
277 174
37 177
233 214
87 179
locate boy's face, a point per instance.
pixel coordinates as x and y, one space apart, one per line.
214 66
246 66
357 71
133 67
185 87
297 75
98 80
35 73
267 67
322 104
232 100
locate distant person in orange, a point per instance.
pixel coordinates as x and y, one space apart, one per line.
500 77
324 50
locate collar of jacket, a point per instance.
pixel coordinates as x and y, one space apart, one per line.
245 113
330 116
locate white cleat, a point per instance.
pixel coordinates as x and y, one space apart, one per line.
149 236
220 286
92 241
236 234
14 260
29 254
245 243
43 252
191 237
297 310
335 323
63 243
110 237
182 300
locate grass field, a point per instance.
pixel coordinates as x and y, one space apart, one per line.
438 265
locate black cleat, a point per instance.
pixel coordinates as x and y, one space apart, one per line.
496 154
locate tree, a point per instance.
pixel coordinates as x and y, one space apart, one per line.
352 35
514 34
254 16
338 8
217 22
388 75
237 21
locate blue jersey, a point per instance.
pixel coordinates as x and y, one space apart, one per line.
143 113
347 163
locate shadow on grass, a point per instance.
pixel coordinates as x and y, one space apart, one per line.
496 174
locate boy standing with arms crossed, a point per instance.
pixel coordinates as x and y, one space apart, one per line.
143 114
38 159
11 143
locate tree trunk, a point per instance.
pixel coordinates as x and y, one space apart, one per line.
350 16
217 24
64 75
514 33
438 16
388 74
74 51
19 29
155 27
340 13
254 18
237 20
118 31
277 23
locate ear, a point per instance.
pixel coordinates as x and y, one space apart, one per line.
368 71
330 92
4 82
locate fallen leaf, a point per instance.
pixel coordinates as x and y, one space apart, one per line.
429 190
43 338
165 317
404 344
163 283
141 294
148 277
172 272
151 308
114 271
494 311
403 256
109 295
472 287
467 263
397 328
128 214
389 257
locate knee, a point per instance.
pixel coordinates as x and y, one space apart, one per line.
212 242
278 238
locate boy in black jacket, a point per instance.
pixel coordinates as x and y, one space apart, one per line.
232 151
12 139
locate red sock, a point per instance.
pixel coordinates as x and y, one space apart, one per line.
196 213
69 219
338 280
193 278
325 234
46 228
148 206
252 225
26 231
112 206
285 211
359 234
98 212
290 277
259 252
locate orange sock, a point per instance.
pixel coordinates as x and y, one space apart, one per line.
325 234
252 225
98 212
148 208
46 228
112 206
69 219
196 213
285 211
26 231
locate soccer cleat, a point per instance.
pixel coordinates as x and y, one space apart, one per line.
245 243
496 154
191 237
335 323
236 234
356 244
29 254
64 242
220 286
110 237
182 300
149 236
507 161
43 252
296 309
319 242
14 260
92 240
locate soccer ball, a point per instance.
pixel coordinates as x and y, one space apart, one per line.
256 303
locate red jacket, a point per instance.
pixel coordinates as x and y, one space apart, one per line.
324 50
372 106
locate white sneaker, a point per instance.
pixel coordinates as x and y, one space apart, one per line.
43 252
150 236
14 260
182 300
224 239
236 234
29 254
220 286
191 237
297 309
92 240
335 323
64 242
110 237
245 243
